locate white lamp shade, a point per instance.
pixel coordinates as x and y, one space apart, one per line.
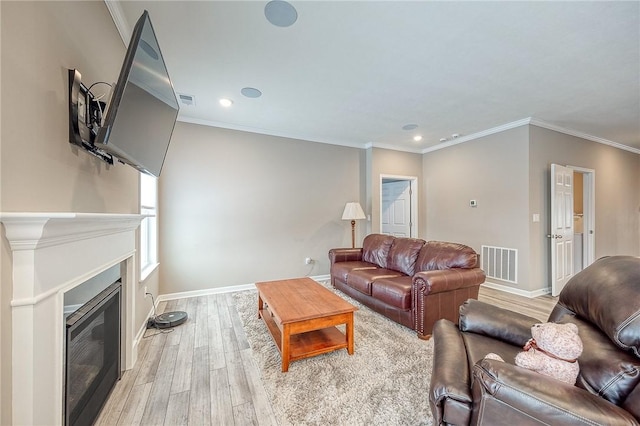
353 211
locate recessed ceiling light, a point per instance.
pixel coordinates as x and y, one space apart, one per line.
226 102
409 127
455 135
251 92
280 13
443 139
417 138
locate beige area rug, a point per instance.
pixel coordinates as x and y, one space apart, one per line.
385 382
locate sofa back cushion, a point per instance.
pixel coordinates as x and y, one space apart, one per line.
403 255
437 255
607 294
375 249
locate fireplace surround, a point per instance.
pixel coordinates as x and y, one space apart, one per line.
53 253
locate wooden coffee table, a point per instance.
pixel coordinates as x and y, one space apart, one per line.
301 316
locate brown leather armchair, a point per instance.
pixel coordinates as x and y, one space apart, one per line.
603 301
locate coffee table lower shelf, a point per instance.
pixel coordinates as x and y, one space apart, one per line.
307 343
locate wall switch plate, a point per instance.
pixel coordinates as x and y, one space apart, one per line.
536 217
308 260
473 203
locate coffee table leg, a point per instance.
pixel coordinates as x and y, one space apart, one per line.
260 305
286 349
350 334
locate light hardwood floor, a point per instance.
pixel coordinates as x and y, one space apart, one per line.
202 372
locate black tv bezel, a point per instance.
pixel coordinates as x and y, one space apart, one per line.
102 138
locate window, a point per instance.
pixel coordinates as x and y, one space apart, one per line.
148 227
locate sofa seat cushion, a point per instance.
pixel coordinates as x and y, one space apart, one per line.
361 279
375 248
393 291
403 254
340 270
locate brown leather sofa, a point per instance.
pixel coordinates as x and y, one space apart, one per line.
603 301
408 280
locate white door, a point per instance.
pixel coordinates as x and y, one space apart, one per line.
396 208
561 235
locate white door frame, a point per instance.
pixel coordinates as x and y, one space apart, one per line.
561 227
414 200
589 218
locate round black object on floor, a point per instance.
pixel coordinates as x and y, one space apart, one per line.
170 319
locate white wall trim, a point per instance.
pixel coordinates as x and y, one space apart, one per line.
534 122
141 331
511 290
571 132
119 20
473 136
268 132
204 292
219 290
457 141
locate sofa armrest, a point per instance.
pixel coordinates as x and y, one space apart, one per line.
345 255
489 320
441 280
506 394
438 294
449 391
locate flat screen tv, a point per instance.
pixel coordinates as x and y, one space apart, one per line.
143 108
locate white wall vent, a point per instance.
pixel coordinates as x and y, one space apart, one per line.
500 263
188 100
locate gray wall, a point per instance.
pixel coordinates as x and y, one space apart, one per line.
237 207
492 170
39 170
388 162
508 174
617 178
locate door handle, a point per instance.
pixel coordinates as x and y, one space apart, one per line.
554 236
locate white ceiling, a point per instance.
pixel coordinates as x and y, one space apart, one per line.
355 72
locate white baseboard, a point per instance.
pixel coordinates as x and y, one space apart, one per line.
221 290
524 293
140 334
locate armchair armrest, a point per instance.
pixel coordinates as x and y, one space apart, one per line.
507 394
508 326
449 391
439 293
344 255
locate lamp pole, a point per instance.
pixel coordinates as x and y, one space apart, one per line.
353 233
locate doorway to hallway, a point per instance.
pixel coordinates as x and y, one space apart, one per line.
399 205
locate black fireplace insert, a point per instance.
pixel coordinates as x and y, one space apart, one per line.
92 355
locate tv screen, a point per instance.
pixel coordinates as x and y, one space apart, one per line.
143 109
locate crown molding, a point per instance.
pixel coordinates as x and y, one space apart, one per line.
571 132
115 9
534 122
477 135
268 132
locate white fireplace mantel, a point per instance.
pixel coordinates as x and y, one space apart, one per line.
53 253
